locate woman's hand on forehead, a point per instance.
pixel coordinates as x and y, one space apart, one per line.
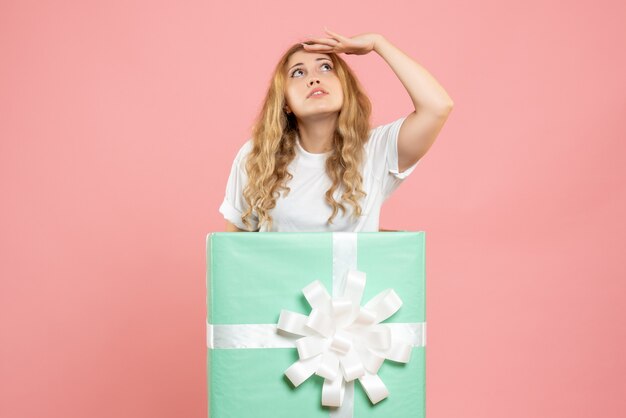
336 43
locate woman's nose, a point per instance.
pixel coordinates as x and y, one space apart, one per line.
312 81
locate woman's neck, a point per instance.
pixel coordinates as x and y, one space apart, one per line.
316 136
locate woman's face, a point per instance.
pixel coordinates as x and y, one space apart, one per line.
306 72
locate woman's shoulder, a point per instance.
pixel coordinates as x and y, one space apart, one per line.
386 127
381 134
243 151
245 148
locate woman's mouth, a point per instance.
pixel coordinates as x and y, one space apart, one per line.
318 94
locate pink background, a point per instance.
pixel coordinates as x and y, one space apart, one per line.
119 121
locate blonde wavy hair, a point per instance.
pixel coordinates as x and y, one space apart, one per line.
274 140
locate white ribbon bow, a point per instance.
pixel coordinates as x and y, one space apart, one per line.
339 332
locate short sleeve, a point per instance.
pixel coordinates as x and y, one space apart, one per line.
383 151
234 204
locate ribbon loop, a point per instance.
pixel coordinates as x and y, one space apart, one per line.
400 352
355 285
301 370
364 318
351 365
371 361
317 296
333 391
321 322
384 304
329 367
374 387
341 342
293 323
310 346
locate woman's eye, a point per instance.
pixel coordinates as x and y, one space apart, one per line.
293 74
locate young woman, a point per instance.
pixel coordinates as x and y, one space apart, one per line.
313 163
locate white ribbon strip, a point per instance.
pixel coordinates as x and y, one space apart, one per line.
344 258
248 336
266 335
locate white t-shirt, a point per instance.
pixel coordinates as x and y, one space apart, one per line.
304 209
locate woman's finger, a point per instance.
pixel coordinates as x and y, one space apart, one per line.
318 48
323 41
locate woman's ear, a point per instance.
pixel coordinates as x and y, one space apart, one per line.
287 109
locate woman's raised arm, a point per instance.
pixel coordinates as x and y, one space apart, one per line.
432 103
430 100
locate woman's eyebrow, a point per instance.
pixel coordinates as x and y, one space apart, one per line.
317 59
